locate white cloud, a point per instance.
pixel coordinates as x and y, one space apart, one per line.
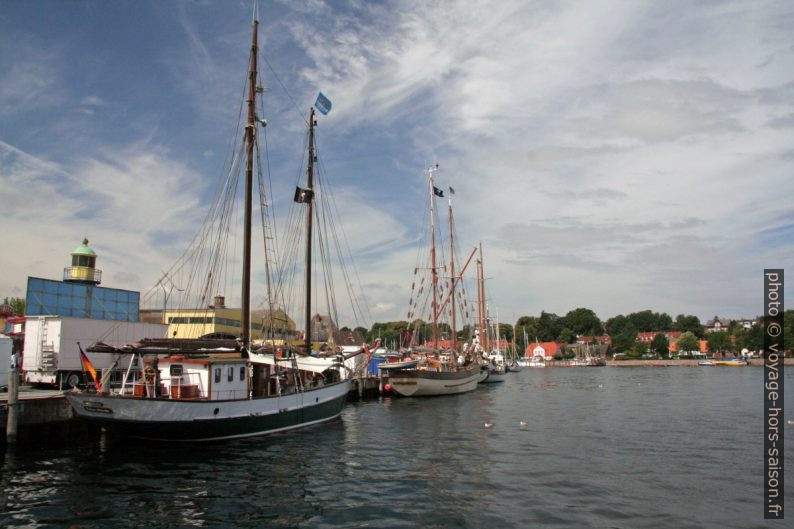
609 154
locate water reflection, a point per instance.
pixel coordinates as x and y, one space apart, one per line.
567 448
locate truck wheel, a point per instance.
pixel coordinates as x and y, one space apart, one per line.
74 379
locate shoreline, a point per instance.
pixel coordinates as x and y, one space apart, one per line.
754 362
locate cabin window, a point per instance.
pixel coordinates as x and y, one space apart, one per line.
217 374
176 370
230 374
242 373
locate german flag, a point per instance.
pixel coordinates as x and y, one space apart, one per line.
89 367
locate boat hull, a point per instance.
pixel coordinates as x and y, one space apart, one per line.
495 375
422 383
210 420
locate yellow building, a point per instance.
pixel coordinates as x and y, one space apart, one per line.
219 321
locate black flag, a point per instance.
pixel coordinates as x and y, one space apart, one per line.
303 196
437 192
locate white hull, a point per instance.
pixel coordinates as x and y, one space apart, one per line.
415 383
210 420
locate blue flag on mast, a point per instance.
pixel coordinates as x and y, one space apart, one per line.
323 104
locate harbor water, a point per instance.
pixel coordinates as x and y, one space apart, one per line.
581 447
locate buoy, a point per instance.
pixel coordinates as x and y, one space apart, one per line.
488 424
387 387
791 421
523 424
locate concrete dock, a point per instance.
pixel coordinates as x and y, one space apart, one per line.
44 416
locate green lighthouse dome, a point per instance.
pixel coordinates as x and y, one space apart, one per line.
83 249
83 269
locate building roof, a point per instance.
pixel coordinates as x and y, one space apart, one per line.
549 349
649 336
604 338
713 322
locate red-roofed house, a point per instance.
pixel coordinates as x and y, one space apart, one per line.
704 346
603 339
544 349
648 337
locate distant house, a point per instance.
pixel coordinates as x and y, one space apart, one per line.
647 337
347 339
545 349
322 328
703 345
442 344
716 324
604 339
748 323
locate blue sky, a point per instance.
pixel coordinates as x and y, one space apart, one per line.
608 154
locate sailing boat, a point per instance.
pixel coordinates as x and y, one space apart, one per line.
439 372
213 389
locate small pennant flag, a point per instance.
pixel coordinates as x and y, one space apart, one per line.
323 104
437 192
303 196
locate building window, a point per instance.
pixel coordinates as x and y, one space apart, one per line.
217 374
242 373
176 370
230 374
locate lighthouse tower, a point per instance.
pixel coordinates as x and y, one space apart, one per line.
83 269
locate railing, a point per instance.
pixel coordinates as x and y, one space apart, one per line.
82 273
192 389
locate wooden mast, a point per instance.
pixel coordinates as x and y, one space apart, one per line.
433 255
250 131
452 276
481 316
309 210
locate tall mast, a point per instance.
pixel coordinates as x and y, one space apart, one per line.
250 131
481 316
433 254
309 209
452 275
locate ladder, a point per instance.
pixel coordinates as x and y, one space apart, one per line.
46 347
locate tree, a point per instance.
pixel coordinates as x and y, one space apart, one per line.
506 331
644 321
616 324
582 322
788 330
660 345
688 343
567 335
527 325
361 331
689 324
638 349
719 342
754 338
549 326
16 304
625 339
664 322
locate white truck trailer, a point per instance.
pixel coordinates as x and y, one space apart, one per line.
51 355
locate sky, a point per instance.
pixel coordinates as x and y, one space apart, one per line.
615 155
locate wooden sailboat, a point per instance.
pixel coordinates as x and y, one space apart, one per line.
490 352
211 389
439 372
